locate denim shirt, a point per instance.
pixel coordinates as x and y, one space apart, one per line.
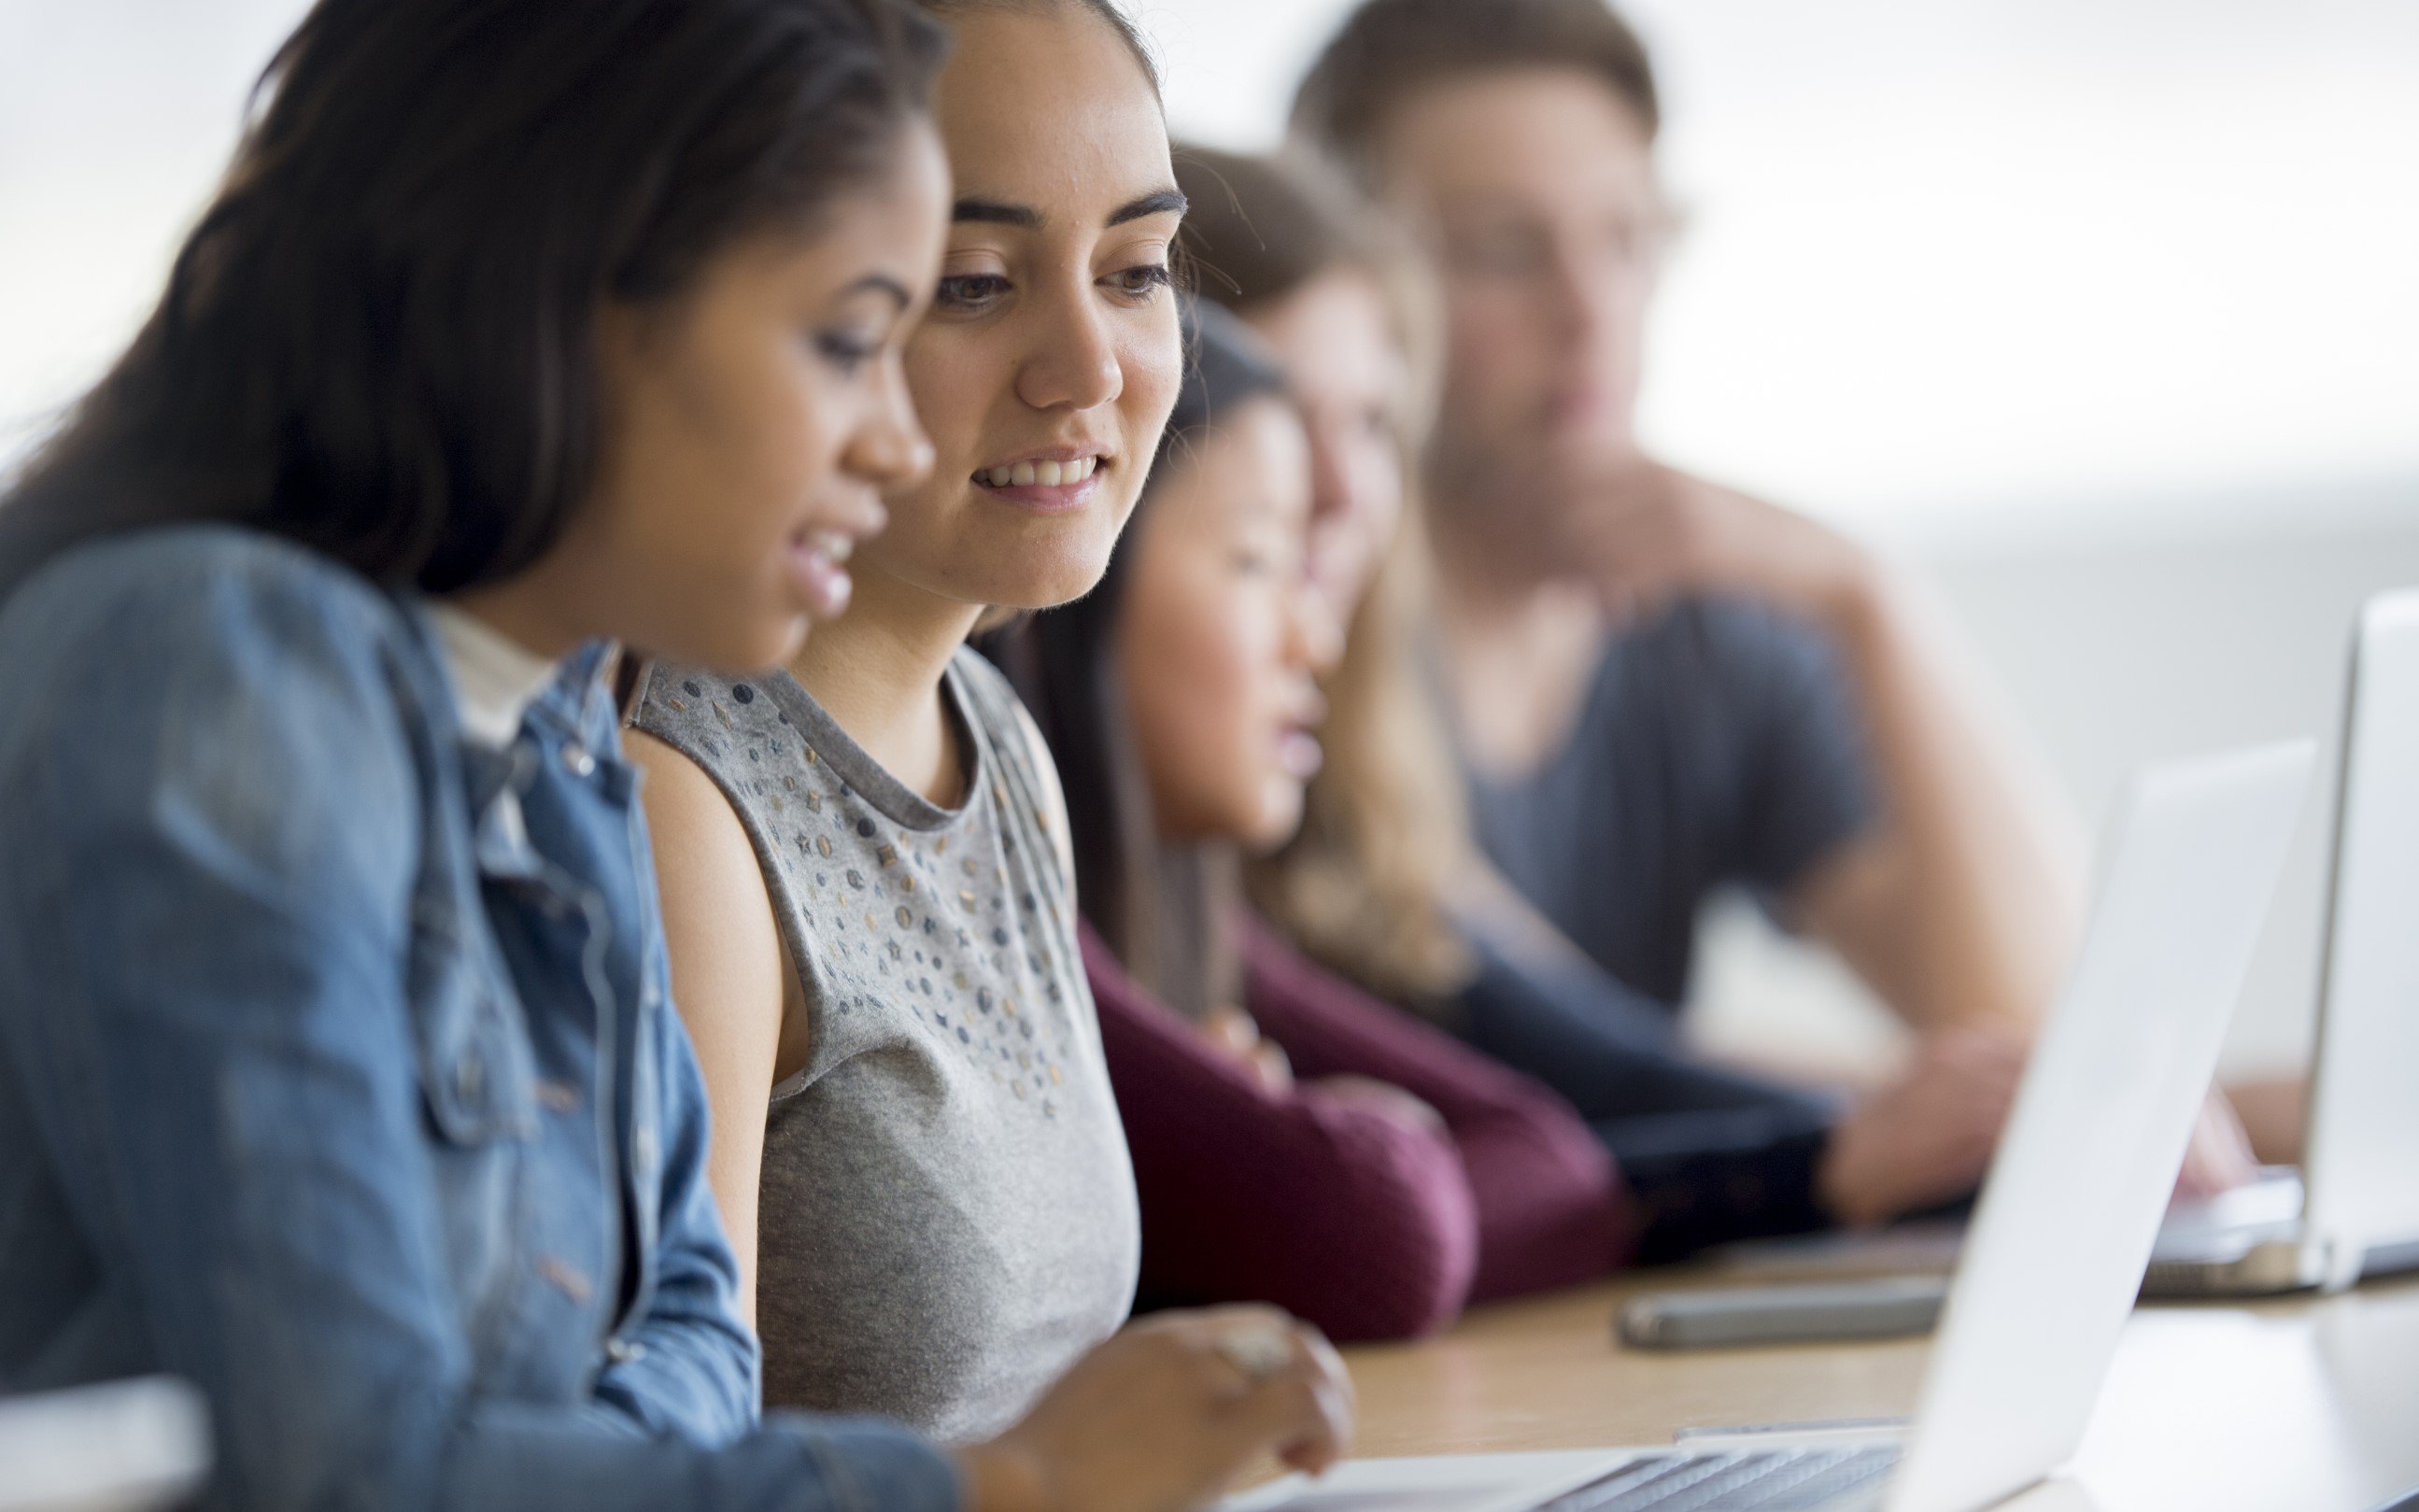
336 1070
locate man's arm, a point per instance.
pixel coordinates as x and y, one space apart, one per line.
1964 903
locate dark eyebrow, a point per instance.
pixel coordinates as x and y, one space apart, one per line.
881 284
994 211
1163 203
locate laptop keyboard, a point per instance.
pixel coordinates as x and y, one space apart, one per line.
1762 1480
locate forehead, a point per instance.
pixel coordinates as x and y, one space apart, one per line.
1335 330
1252 466
1516 137
1050 108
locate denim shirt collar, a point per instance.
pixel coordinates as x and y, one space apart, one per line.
571 705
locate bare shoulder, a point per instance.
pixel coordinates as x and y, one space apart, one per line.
706 868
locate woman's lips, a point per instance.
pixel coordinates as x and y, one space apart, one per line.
1299 754
1046 487
818 571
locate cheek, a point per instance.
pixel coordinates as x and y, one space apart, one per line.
1153 365
1377 505
1196 672
952 379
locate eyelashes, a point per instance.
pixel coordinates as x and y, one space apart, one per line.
1144 281
973 293
968 292
845 351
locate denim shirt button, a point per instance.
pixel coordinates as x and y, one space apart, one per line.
577 762
625 1352
469 1077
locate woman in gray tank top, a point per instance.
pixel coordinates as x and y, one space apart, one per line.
869 907
944 1214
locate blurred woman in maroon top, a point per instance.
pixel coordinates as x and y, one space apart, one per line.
1295 1140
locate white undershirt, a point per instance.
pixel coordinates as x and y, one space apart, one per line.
496 678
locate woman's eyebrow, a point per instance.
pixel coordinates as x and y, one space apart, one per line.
997 212
1162 203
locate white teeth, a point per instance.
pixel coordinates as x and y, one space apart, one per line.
1047 474
832 544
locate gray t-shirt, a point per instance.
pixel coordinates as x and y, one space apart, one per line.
948 1215
1717 745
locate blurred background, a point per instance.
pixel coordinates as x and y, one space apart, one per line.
2105 311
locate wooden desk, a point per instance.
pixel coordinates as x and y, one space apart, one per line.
2300 1405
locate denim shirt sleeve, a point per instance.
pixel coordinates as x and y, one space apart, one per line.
696 1369
209 820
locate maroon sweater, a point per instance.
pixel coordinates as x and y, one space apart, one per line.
1340 1214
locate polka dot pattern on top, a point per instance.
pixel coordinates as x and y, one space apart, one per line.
947 1214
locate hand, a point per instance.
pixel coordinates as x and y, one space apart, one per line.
1167 1414
1929 1135
2219 1158
1385 1100
1647 533
1234 1035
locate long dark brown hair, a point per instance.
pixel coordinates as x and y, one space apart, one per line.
1161 908
379 339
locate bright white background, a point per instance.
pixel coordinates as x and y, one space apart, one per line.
2107 309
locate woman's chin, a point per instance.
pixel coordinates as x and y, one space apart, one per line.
1278 820
1046 585
743 648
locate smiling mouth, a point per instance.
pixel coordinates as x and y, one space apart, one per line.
1039 474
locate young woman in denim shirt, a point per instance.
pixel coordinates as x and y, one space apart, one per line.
336 1070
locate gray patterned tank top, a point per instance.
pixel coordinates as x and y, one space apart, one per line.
947 1214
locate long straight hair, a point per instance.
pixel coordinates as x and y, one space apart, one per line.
1385 843
1163 909
378 341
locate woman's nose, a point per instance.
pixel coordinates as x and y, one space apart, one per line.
1074 363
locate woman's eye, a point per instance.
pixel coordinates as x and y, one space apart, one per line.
970 291
1141 282
846 350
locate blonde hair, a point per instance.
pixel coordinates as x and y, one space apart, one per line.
1384 842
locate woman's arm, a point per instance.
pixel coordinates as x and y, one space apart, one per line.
207 917
731 977
1359 1222
1552 1208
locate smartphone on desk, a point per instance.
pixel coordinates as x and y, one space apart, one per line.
1798 1313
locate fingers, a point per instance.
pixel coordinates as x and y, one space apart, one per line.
1306 1412
1233 1031
1302 1411
2219 1158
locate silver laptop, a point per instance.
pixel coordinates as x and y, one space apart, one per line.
2063 1229
2354 1209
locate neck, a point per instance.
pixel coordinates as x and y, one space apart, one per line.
1518 651
877 672
1488 595
526 611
